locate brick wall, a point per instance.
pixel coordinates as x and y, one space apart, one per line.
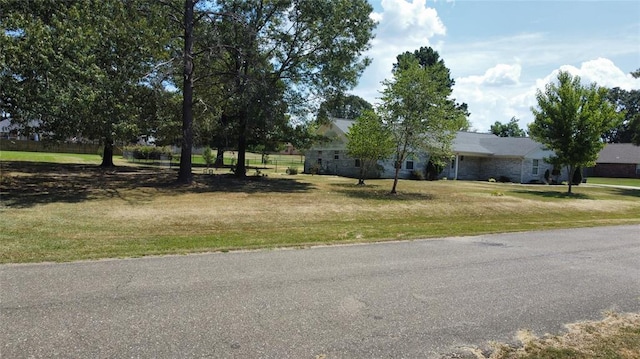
616 170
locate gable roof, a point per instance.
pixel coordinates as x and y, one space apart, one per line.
468 143
343 124
491 145
619 153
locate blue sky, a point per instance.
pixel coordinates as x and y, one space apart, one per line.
500 52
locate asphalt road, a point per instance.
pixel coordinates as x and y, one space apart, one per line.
416 299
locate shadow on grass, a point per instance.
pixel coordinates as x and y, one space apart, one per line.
616 191
554 194
627 192
27 184
377 192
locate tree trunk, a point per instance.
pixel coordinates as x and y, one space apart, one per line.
365 166
362 173
395 180
185 176
241 169
219 158
107 156
572 169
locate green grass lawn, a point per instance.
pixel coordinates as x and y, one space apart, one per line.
63 207
64 211
50 157
635 182
275 163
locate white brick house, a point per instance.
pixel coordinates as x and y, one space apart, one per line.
477 156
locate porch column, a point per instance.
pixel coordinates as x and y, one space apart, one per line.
456 169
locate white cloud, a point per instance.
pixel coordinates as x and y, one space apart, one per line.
401 18
601 71
489 103
499 75
490 96
402 26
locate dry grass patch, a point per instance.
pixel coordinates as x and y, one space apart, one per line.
616 336
66 212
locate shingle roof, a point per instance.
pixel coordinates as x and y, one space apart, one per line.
343 124
619 153
492 145
472 143
469 142
512 146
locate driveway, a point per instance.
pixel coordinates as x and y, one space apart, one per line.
408 299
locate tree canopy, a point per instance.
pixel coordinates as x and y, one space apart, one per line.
343 106
570 119
272 57
80 69
510 129
627 102
369 140
427 57
418 111
244 68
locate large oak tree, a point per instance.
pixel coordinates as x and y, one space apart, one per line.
80 69
287 52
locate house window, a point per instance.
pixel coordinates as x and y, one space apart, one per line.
534 169
336 155
453 163
461 158
638 169
409 165
319 153
320 161
357 162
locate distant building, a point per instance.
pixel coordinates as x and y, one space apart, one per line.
289 149
618 160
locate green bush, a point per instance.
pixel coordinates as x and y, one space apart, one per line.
208 157
433 170
140 152
292 170
417 175
547 176
315 169
577 176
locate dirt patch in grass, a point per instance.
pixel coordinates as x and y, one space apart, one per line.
616 336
